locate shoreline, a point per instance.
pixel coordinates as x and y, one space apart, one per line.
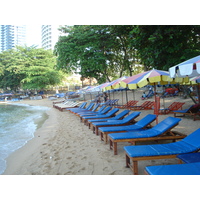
64 146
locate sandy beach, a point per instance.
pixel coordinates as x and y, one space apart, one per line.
64 146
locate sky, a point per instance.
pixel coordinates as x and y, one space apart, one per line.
33 35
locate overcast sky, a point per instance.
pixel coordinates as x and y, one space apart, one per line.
33 35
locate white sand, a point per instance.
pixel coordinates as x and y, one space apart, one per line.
65 146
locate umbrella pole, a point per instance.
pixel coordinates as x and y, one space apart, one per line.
126 97
198 92
122 98
156 105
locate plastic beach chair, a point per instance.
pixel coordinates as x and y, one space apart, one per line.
160 131
127 105
178 169
141 124
127 120
189 144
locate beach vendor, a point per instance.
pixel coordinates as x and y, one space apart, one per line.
105 96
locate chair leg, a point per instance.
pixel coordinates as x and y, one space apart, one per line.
127 161
115 148
135 167
96 131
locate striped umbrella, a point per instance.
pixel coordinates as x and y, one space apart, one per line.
152 77
115 84
188 68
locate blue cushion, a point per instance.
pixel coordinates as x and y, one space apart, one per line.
190 157
109 114
193 139
116 122
138 125
179 169
157 130
159 149
119 116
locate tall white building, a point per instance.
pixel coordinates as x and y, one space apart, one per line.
12 35
50 35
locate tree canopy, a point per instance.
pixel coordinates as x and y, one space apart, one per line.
28 68
105 51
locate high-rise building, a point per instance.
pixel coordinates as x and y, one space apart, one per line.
12 35
50 35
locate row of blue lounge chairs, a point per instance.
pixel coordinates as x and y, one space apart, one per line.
117 128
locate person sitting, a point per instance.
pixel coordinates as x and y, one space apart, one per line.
144 95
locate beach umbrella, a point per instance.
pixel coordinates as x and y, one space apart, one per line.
153 77
188 68
115 83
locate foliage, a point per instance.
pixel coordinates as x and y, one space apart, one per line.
111 51
163 46
96 51
29 68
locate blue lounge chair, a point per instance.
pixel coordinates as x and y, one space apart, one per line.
111 113
127 120
117 117
141 124
95 112
189 144
101 111
80 107
89 107
189 157
191 168
87 111
193 111
178 169
161 131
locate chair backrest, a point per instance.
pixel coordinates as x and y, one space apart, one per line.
131 116
167 124
194 109
146 120
106 110
90 106
114 101
193 139
96 106
112 112
83 105
149 105
145 103
132 103
121 114
101 109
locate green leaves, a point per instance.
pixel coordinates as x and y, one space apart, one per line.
29 68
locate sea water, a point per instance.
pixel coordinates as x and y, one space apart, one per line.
18 123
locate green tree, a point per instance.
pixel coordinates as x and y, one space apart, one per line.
28 67
162 46
97 51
